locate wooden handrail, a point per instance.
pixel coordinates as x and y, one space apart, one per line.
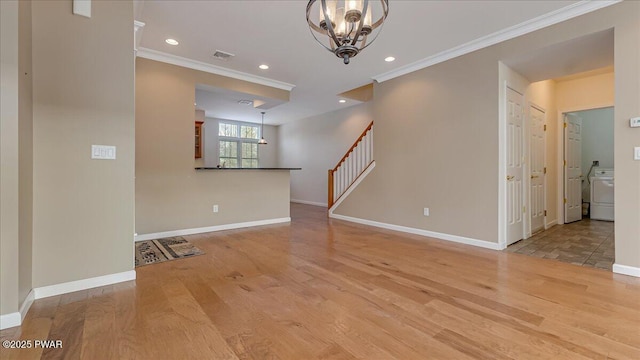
353 146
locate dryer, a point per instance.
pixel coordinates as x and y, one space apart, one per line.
602 188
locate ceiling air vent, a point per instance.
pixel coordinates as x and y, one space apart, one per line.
221 55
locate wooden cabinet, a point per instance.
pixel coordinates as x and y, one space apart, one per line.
198 139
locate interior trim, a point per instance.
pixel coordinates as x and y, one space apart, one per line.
206 229
71 286
626 270
314 203
552 18
10 320
426 233
26 304
16 318
212 69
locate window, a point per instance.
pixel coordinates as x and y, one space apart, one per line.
238 145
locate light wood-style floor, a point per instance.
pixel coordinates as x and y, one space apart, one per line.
327 289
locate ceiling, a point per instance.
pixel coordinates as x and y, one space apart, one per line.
276 33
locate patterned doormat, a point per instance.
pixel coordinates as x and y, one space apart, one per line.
159 250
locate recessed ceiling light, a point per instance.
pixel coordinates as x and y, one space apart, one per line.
263 67
173 42
245 102
342 101
389 59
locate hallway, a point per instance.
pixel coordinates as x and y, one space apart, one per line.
586 242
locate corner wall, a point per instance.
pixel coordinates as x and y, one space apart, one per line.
25 147
83 78
9 162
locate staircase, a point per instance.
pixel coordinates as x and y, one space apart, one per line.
351 169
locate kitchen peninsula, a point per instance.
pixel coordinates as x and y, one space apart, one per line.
226 168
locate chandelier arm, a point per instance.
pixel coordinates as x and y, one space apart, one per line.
320 42
365 6
385 12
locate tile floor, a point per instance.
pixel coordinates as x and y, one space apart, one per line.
586 242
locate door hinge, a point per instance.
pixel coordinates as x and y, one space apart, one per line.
545 170
524 209
565 163
545 213
565 200
545 128
565 125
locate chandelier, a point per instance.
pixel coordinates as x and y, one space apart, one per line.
346 24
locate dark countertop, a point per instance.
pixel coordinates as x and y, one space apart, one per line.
217 168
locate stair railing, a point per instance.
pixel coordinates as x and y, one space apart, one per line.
354 162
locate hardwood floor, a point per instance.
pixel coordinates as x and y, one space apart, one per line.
327 289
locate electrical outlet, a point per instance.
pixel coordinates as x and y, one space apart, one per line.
596 163
215 208
426 212
636 153
634 122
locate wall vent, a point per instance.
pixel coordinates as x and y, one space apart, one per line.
221 55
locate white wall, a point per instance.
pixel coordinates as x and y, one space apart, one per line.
316 144
267 154
597 142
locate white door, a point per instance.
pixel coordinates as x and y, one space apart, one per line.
572 168
515 158
536 203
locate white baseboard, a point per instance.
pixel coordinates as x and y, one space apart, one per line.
433 234
206 229
26 304
16 318
550 224
308 202
71 286
626 270
10 320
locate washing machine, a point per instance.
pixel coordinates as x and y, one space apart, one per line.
602 185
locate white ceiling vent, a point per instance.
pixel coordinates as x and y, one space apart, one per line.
221 55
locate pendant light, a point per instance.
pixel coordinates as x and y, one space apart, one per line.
262 141
346 27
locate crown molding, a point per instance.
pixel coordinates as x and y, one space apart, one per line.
552 18
213 69
138 27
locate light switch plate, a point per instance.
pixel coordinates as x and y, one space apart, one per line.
634 122
82 8
103 152
636 153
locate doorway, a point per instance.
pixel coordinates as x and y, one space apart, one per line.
586 234
588 145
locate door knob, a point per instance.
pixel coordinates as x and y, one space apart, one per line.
509 178
534 176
